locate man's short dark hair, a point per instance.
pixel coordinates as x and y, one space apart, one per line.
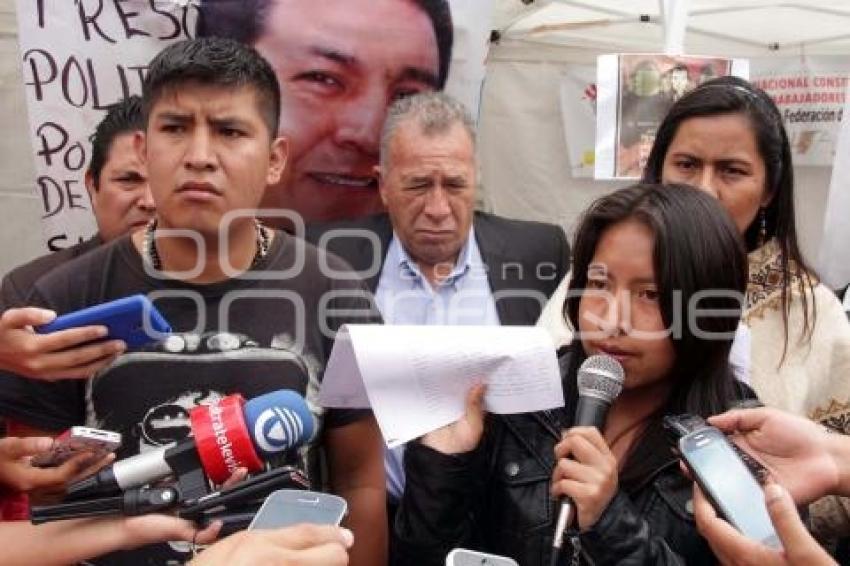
244 21
218 62
123 117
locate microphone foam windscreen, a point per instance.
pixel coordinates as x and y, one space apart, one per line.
279 421
601 376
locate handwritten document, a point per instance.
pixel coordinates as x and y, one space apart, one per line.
416 378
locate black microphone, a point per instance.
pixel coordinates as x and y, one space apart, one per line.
225 435
600 380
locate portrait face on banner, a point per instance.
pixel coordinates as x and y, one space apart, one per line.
340 65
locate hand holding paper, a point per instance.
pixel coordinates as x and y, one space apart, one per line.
416 378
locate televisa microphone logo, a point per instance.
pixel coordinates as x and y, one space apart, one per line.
277 429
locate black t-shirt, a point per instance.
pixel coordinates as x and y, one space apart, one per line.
271 328
18 283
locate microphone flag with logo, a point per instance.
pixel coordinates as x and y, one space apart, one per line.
277 424
226 435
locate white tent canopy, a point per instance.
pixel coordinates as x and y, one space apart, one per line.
749 28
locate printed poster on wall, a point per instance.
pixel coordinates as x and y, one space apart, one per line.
340 65
578 114
635 91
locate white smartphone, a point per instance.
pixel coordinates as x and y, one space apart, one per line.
76 440
728 484
286 507
464 557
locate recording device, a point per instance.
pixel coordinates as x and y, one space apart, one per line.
463 557
132 319
133 502
234 506
727 482
226 435
679 426
287 507
76 440
600 380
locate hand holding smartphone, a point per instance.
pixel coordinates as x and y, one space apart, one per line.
132 319
287 507
728 483
76 440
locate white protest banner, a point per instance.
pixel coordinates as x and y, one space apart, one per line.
810 94
578 113
77 58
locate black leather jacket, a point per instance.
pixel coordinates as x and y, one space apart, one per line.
496 499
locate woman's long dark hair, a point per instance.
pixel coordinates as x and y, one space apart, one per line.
731 95
700 264
697 251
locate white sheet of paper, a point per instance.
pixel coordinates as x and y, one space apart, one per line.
416 378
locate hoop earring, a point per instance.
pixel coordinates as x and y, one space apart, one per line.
762 238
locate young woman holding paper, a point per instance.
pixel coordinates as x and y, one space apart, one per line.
641 258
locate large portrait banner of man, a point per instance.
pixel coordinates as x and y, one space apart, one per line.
340 64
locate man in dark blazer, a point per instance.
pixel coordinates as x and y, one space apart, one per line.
427 182
431 259
525 260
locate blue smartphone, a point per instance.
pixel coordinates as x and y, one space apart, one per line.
132 319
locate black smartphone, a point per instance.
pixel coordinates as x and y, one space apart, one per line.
252 490
728 483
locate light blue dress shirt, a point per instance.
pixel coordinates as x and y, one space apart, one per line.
405 296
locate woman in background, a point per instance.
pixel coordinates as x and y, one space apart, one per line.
726 137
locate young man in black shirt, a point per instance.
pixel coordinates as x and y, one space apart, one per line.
253 309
